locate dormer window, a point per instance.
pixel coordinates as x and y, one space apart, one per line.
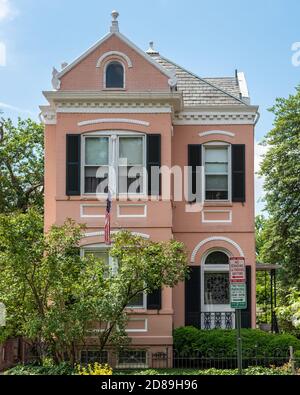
114 75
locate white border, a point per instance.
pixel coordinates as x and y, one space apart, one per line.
119 215
206 221
82 206
114 53
222 132
95 234
113 120
215 238
138 330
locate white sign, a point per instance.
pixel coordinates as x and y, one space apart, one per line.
2 314
238 296
237 270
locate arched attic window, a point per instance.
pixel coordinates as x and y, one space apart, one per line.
114 75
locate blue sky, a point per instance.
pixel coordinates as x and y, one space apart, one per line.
211 38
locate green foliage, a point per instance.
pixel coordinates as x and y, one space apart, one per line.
281 170
289 312
21 165
62 369
66 370
56 298
222 343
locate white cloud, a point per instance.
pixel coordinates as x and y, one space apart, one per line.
9 107
2 54
7 11
259 181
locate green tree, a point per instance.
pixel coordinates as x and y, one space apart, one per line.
57 298
21 165
281 170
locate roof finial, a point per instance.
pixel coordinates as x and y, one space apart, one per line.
114 24
151 50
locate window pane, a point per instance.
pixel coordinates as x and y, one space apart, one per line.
99 255
216 288
216 154
217 258
216 195
94 177
91 356
133 358
96 151
216 183
137 301
114 75
131 149
131 179
216 168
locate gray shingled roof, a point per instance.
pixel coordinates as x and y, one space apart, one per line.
198 91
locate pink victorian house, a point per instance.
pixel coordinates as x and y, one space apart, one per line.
117 102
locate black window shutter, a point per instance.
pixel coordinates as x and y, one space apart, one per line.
153 159
154 300
246 314
193 298
73 165
238 173
194 160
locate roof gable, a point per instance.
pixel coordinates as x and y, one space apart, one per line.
103 40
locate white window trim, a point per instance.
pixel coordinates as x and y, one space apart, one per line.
211 269
112 264
124 75
217 144
113 156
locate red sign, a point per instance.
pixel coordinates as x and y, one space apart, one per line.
237 270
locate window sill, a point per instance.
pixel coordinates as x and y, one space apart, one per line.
218 203
114 89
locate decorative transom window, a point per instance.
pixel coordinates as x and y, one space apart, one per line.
217 171
216 279
139 301
116 162
114 75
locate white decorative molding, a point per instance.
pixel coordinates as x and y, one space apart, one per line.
115 108
208 221
144 215
95 234
83 206
215 238
55 79
114 53
221 132
48 115
214 118
113 120
145 329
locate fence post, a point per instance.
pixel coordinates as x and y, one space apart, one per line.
292 360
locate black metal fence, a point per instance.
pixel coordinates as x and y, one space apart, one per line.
212 320
167 358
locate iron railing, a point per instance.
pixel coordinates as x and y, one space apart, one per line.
212 320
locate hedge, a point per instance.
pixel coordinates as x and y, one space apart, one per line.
222 343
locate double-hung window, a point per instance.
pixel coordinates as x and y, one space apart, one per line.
116 161
102 254
217 172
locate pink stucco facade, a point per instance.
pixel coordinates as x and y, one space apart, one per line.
81 105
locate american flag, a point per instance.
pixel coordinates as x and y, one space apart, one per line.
107 220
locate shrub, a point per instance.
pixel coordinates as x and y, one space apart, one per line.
222 343
63 369
95 369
